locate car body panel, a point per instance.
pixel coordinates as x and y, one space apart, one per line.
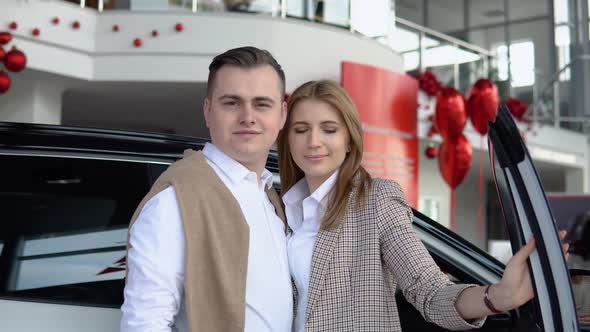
70 308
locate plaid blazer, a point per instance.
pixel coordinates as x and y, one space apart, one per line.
357 265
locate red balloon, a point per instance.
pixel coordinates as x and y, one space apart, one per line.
431 152
36 32
454 160
116 28
55 20
137 42
155 33
179 27
75 25
4 82
482 105
15 60
2 54
13 25
428 83
517 107
450 114
5 38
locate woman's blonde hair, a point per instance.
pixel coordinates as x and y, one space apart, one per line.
333 94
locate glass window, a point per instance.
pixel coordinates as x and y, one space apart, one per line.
371 17
502 54
562 42
329 11
560 11
430 207
66 238
522 63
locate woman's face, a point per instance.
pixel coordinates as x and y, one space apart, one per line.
318 140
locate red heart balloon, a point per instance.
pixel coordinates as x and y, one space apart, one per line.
450 114
4 82
454 160
517 107
482 105
15 60
5 38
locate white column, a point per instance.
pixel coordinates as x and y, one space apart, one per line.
33 99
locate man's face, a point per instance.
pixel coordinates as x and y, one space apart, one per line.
245 112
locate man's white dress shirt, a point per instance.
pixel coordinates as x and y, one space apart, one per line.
154 299
304 214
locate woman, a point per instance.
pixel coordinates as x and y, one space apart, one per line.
352 241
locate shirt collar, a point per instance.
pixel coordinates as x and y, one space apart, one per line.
300 190
324 189
232 169
295 196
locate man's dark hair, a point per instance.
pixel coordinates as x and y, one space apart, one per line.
244 57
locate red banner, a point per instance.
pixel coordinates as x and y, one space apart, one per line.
387 103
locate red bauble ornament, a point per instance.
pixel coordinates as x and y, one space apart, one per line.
179 27
116 28
482 105
15 60
428 83
450 114
13 25
5 38
454 160
55 20
517 108
431 152
2 54
155 33
36 32
4 82
76 25
137 42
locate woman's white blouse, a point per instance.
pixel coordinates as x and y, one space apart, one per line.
304 213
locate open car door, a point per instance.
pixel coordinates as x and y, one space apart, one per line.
527 213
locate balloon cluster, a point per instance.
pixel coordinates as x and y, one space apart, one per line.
455 152
14 61
449 120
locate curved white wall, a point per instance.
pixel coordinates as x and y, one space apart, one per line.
96 53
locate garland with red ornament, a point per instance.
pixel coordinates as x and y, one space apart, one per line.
14 61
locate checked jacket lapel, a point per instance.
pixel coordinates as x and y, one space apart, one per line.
322 255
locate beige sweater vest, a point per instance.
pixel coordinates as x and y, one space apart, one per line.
217 241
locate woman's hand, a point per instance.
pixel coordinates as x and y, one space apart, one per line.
516 287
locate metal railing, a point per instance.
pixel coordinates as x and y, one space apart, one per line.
461 64
545 107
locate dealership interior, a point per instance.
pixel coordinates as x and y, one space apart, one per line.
141 66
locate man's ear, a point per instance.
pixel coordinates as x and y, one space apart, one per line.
206 110
283 114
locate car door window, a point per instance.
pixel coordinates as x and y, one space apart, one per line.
64 227
527 213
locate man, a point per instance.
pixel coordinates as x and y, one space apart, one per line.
207 249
